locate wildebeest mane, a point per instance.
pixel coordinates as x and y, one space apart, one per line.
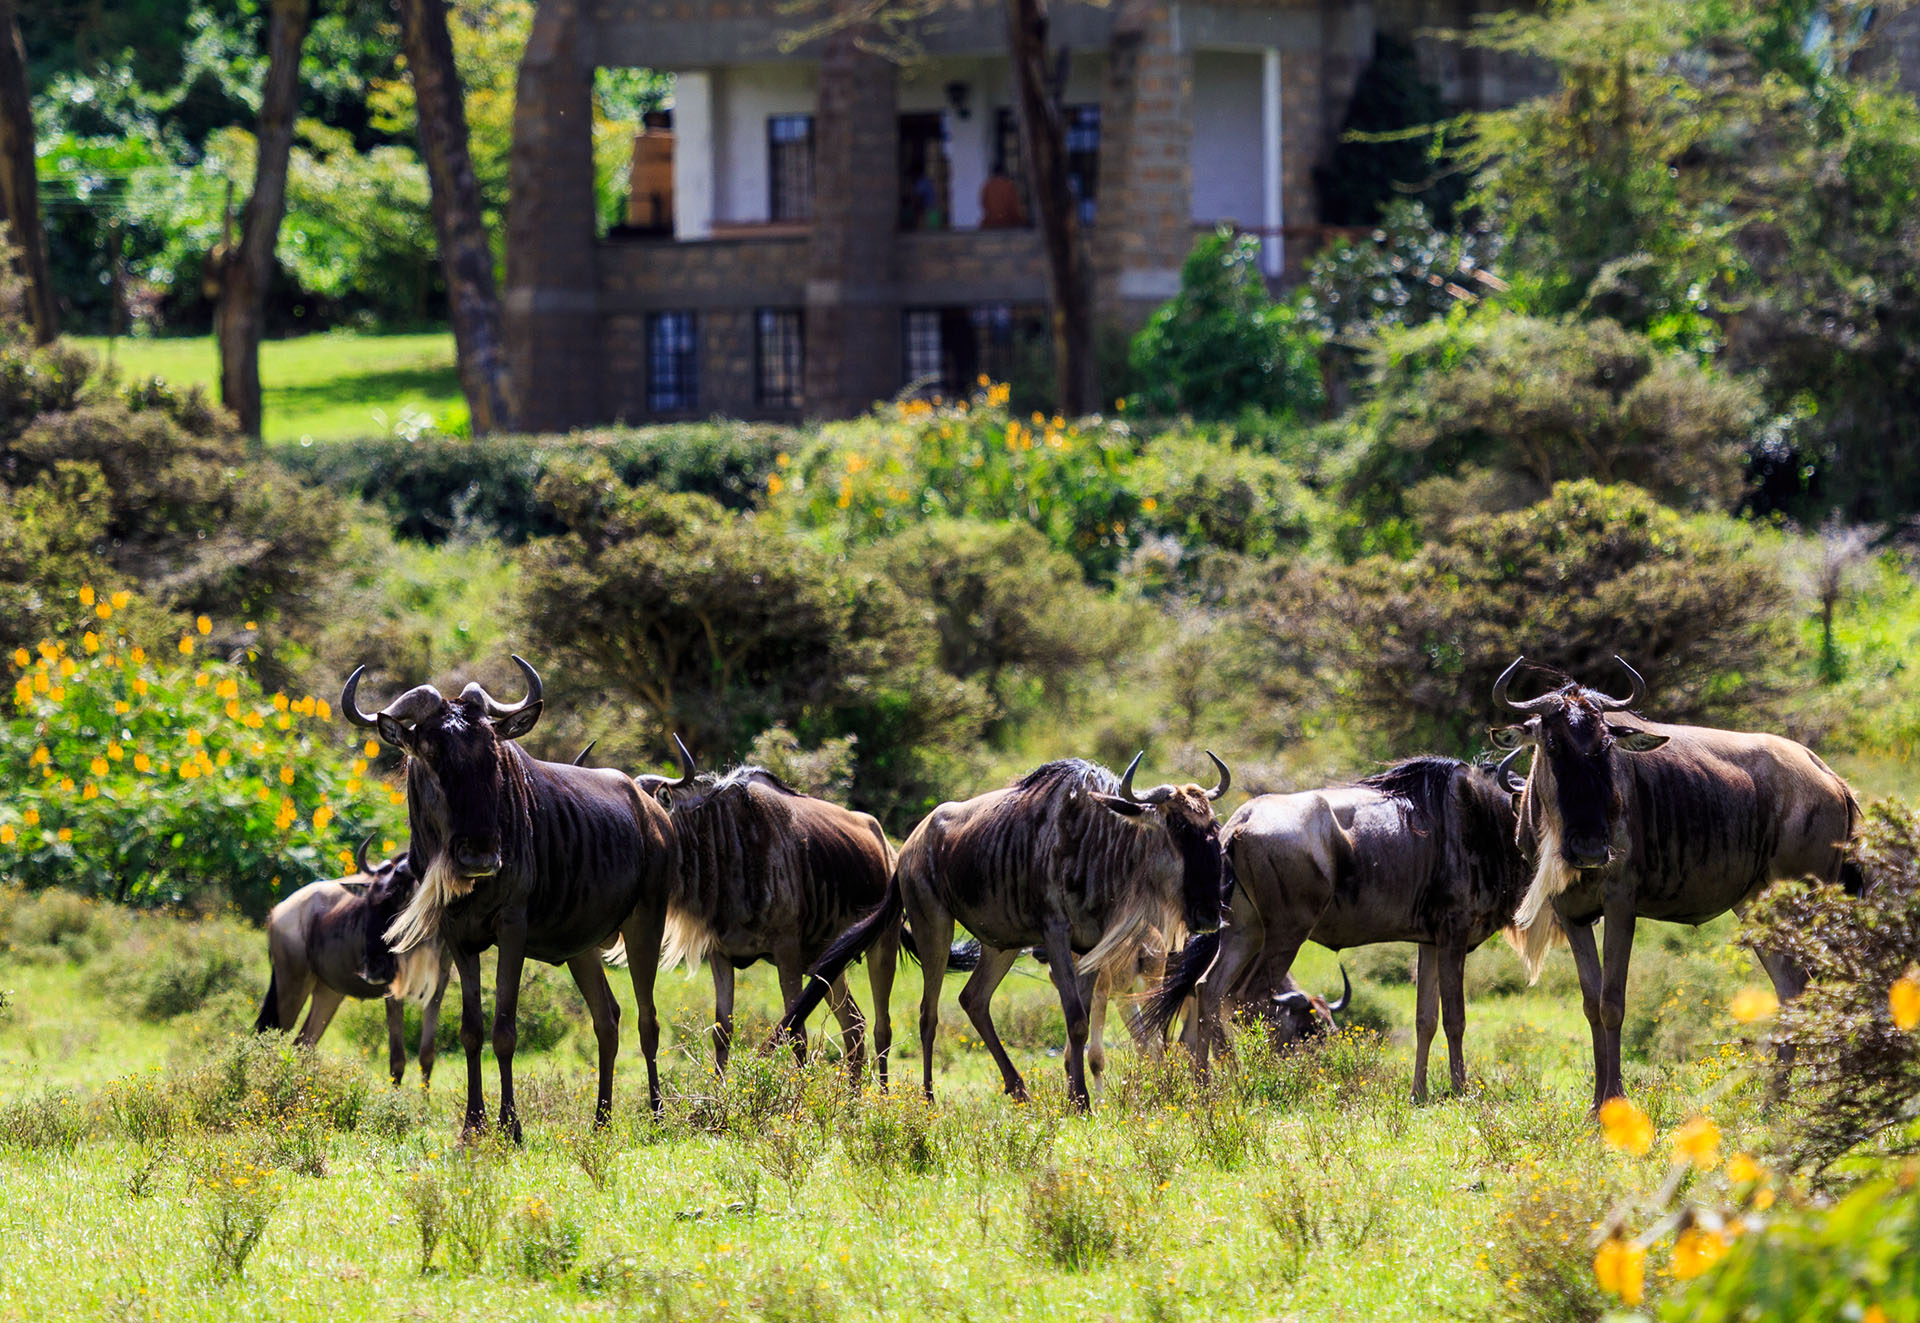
1423 783
1091 776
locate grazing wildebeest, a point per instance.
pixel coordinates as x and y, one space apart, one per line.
326 941
1691 823
1421 852
767 873
547 860
1068 858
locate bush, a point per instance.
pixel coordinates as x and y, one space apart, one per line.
1076 1218
546 1240
1223 345
1540 1251
263 1081
50 1120
239 1196
1210 494
168 968
1405 273
56 925
1413 647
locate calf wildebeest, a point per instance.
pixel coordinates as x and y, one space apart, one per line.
547 860
326 941
1691 823
1069 858
1421 852
767 873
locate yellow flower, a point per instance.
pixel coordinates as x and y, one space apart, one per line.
120 600
1743 1170
252 721
66 785
1627 1127
86 594
286 774
139 687
31 817
194 738
90 641
65 833
227 688
395 797
322 709
6 833
200 680
91 791
186 645
204 625
1696 1251
775 484
1149 505
137 656
1620 1268
232 710
321 817
22 658
1874 1314
40 757
283 721
1903 1000
98 766
58 693
1698 1142
280 703
142 763
371 749
115 751
104 611
1754 1003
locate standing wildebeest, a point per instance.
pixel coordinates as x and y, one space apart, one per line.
1421 852
546 860
767 873
1692 823
326 941
1068 858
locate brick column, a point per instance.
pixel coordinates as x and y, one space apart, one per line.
853 315
554 340
1143 228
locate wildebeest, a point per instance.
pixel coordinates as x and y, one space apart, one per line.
767 873
1069 858
546 860
326 941
1690 823
1421 852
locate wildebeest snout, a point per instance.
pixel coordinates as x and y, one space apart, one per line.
1587 851
473 858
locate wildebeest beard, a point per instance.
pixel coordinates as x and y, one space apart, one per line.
499 815
1583 790
1205 877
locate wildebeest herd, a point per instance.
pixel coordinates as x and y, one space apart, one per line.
1617 818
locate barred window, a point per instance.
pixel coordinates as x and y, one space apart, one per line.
921 339
673 363
790 167
1083 157
778 360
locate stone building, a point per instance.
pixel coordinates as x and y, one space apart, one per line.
827 225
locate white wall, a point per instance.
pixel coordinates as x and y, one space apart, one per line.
744 97
692 155
1227 157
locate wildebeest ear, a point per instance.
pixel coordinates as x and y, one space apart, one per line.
1126 808
1508 737
519 723
392 732
1634 740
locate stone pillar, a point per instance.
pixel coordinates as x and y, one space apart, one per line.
693 155
1143 227
852 313
553 332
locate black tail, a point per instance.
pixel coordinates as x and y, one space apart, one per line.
270 1008
1183 976
848 947
963 957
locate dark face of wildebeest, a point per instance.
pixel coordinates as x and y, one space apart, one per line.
386 895
454 797
1292 1016
1574 790
1187 814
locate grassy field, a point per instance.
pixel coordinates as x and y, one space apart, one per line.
319 387
1297 1188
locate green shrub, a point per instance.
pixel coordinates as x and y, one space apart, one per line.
1223 345
49 1119
1210 494
263 1081
56 925
888 1133
545 1240
238 1198
167 967
1540 1251
1076 1217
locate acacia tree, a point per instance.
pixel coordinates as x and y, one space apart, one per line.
19 191
244 272
465 256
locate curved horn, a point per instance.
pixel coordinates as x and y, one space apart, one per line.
580 759
360 855
687 769
1607 703
1539 704
497 710
1501 772
1126 780
348 708
1226 777
1346 993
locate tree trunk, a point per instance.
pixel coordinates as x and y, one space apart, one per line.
19 191
240 318
1043 141
466 258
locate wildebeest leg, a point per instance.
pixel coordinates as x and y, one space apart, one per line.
325 1002
1613 991
1096 1022
642 932
591 978
880 966
1453 1013
847 1011
294 988
1426 1014
430 1025
396 1039
792 971
1586 963
471 1014
722 1011
976 999
1072 988
935 935
506 1023
1239 945
1789 979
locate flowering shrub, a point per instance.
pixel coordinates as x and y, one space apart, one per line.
155 779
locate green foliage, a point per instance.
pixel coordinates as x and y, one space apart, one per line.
1404 273
1223 345
1490 412
1387 146
1412 647
166 968
1076 1217
1539 1251
153 782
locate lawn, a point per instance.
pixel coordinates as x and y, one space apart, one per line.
326 387
1302 1188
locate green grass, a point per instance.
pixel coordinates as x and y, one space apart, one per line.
1402 1204
328 387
